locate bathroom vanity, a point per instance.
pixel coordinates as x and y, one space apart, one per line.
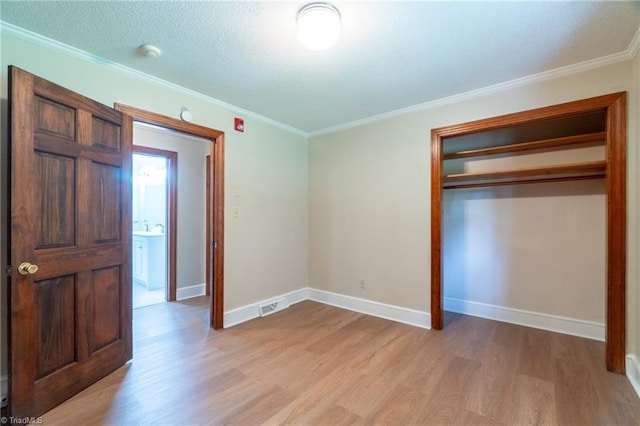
149 259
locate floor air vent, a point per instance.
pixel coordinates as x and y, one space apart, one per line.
271 307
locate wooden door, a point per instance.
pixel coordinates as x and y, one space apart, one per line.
70 200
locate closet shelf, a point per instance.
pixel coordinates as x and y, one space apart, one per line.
573 171
526 146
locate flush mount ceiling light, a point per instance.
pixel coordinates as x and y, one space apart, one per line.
318 26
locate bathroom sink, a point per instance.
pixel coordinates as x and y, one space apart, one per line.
148 233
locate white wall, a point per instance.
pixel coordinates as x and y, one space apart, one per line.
266 247
191 188
369 214
514 246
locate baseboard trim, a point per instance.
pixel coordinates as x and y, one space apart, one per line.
633 372
571 326
382 310
369 307
191 291
248 312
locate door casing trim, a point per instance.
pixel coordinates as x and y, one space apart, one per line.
216 194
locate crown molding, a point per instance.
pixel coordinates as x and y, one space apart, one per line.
29 36
629 53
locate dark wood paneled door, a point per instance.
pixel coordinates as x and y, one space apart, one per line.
70 291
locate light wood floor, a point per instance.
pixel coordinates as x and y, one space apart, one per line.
318 365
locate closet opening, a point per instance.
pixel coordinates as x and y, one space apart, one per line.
563 167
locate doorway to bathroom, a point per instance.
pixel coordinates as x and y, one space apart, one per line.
205 245
153 195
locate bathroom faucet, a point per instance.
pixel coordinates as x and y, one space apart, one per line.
160 225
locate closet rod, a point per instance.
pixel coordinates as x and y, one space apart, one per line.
522 181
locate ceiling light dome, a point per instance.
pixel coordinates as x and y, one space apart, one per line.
150 51
318 26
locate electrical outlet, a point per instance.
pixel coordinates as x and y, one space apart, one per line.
236 212
362 284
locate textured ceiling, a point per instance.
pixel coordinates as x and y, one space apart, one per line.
392 55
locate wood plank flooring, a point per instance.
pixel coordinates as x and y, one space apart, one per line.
314 364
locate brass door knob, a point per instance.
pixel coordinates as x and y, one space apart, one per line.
27 268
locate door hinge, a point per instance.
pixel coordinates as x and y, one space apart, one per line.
8 270
214 245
